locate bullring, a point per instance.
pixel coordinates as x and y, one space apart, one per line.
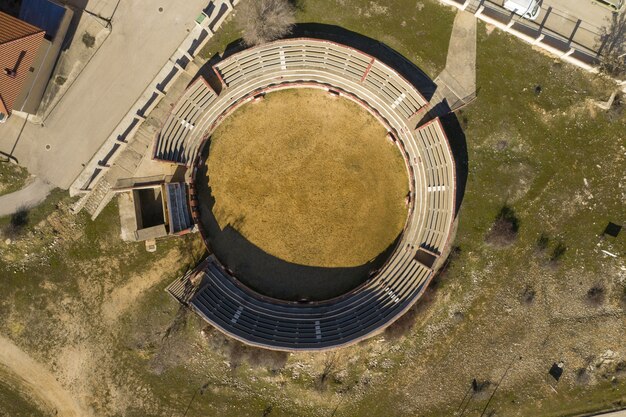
218 296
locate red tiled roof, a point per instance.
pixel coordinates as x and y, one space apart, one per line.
19 43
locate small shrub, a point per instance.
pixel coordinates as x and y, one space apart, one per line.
329 368
595 295
528 295
613 52
60 80
89 40
558 252
268 410
542 243
403 325
582 377
263 21
269 359
272 360
481 388
504 230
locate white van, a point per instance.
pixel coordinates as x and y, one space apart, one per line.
526 8
613 5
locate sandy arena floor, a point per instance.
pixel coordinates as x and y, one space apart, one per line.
309 180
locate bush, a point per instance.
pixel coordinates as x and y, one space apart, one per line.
504 230
528 295
263 21
613 49
595 295
557 253
542 243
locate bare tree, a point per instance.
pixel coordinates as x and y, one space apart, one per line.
265 20
613 49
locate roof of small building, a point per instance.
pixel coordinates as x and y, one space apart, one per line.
19 43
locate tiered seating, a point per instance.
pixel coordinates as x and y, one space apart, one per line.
301 326
440 185
172 141
307 54
293 55
314 63
178 216
397 92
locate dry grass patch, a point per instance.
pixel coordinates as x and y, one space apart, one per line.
309 179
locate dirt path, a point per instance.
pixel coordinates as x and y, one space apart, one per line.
122 298
38 381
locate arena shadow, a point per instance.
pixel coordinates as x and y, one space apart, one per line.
377 49
458 145
267 274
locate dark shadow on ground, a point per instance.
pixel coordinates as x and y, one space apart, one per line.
206 70
267 274
458 144
11 7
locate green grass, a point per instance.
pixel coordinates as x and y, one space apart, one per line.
12 177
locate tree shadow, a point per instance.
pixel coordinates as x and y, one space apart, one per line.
267 274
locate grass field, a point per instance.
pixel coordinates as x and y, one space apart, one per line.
92 309
308 179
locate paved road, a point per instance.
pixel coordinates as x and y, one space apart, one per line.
29 196
562 17
459 75
141 41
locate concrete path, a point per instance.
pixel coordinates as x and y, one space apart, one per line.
457 81
145 33
27 197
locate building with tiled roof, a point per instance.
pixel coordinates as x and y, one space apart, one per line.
19 45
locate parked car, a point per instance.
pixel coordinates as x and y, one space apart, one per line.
526 8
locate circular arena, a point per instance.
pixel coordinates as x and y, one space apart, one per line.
213 291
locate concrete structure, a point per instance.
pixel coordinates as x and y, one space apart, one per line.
150 209
219 297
